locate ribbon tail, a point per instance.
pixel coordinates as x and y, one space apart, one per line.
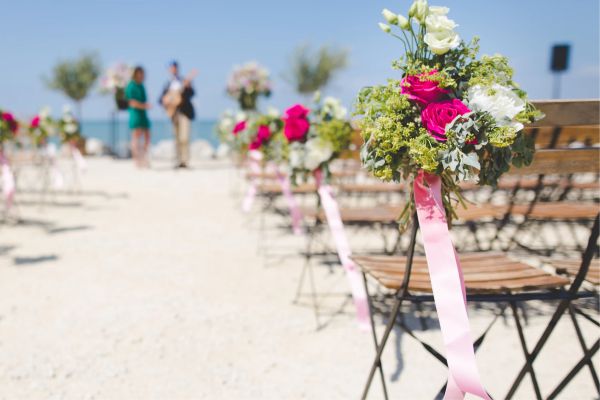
254 166
78 158
336 227
293 207
448 290
8 182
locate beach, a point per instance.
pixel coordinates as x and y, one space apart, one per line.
153 284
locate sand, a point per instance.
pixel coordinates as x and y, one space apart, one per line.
149 285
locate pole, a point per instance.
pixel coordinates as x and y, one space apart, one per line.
556 86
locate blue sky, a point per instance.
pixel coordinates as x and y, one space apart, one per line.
213 36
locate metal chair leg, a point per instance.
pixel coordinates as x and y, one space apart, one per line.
586 351
585 360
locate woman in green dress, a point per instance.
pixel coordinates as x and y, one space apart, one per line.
135 93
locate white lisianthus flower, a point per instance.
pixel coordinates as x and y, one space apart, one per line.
389 16
442 42
334 108
419 10
501 102
44 113
273 112
384 27
317 152
437 10
438 23
403 22
70 127
296 156
241 116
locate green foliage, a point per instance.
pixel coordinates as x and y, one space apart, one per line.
75 77
312 71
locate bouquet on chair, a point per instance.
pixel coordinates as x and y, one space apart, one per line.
41 127
68 127
9 126
246 83
114 81
316 138
450 114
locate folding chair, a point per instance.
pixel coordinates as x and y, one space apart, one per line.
491 277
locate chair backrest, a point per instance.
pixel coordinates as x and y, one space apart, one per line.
562 162
567 122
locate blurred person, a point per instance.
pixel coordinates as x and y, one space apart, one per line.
176 98
135 93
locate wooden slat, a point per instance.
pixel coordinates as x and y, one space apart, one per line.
568 112
562 161
558 137
571 268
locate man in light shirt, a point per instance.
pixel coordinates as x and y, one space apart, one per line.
176 98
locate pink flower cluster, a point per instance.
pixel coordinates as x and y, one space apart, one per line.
437 110
240 126
262 135
13 125
296 123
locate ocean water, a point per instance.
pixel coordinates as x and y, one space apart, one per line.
116 134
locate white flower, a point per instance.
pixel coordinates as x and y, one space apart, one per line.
403 22
501 102
437 10
419 10
442 42
438 23
389 16
334 108
44 113
70 127
317 152
273 112
384 27
296 156
241 116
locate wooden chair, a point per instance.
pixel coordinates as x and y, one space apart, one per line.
493 277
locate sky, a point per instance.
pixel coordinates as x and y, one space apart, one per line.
213 36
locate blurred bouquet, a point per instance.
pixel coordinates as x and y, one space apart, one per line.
316 138
252 131
9 126
451 115
247 82
41 127
68 127
114 81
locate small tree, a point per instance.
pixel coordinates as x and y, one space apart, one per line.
312 71
75 77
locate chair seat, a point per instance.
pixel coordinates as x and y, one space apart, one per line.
558 210
571 267
484 272
275 189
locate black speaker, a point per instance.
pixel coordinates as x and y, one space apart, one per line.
560 57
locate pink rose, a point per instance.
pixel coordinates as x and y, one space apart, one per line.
13 125
436 116
35 122
422 90
262 135
240 126
296 123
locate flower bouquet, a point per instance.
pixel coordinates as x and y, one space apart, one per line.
41 127
246 83
451 117
114 81
9 126
68 127
451 114
316 139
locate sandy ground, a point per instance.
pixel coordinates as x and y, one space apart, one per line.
149 285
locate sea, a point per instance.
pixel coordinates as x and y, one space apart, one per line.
115 134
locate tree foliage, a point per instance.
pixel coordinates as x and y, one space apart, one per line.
313 70
75 77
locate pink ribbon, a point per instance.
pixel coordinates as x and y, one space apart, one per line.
295 213
254 158
78 158
336 227
448 289
8 182
58 180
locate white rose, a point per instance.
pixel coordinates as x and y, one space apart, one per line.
437 10
296 158
437 23
44 113
441 42
71 128
317 152
334 108
501 102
